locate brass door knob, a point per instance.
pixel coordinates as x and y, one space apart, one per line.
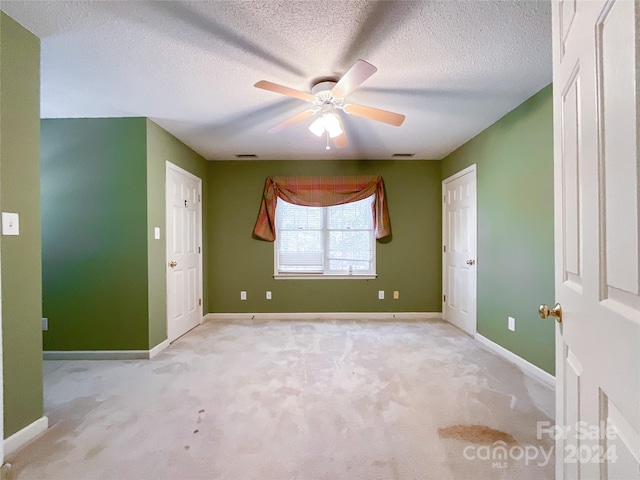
545 312
471 262
173 264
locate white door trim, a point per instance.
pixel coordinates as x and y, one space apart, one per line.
470 168
455 176
182 171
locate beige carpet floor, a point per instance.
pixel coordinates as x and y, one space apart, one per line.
295 400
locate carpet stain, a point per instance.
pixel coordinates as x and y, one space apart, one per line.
287 391
77 370
476 434
93 452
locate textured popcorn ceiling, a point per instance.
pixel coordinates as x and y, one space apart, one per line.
452 67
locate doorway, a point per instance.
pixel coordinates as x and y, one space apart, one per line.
459 218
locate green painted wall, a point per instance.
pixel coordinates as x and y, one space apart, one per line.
19 192
163 147
514 160
94 234
410 262
103 192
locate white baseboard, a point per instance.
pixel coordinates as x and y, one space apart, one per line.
389 316
158 348
520 362
106 354
24 436
96 355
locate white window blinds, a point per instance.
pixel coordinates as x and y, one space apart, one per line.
335 240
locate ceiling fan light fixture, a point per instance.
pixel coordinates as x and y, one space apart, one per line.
332 125
328 123
317 127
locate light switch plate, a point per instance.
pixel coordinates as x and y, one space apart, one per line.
380 294
10 224
156 233
243 295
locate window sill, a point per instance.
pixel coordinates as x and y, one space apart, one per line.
298 276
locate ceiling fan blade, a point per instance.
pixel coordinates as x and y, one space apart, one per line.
357 74
291 121
391 118
281 89
341 140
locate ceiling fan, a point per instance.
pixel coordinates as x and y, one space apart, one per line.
327 97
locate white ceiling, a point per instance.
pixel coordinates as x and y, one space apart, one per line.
452 67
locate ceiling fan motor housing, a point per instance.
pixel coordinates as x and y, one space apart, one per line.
322 87
324 100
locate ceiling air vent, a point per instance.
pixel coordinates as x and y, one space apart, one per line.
246 156
402 155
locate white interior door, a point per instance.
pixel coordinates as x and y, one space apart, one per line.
184 251
459 250
597 272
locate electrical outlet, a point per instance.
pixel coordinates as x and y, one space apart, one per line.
511 324
45 324
380 294
396 294
243 295
268 295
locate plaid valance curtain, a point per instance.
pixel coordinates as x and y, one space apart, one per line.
321 192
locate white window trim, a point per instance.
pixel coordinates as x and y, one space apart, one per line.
322 276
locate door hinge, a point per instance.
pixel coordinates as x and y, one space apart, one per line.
445 248
198 249
199 301
444 299
198 197
444 199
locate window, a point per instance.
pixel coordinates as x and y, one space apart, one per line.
325 241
